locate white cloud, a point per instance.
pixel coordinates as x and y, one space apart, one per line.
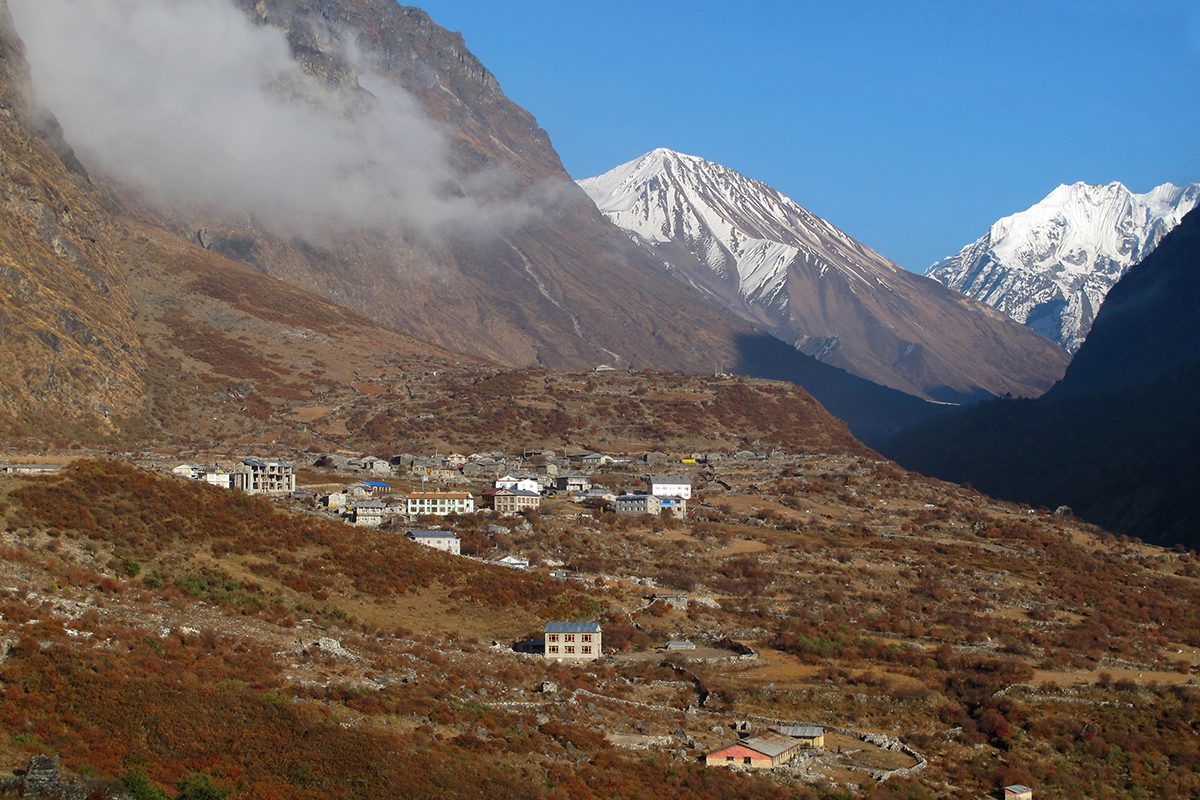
197 107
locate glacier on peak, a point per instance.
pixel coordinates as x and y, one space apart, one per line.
1051 266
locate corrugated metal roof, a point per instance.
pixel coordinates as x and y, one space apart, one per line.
770 744
670 479
377 484
802 731
572 627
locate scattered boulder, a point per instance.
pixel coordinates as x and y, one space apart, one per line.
42 776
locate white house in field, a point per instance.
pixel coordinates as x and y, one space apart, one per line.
573 641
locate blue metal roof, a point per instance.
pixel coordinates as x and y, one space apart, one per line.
572 627
377 484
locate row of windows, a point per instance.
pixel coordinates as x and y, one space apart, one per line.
570 649
568 637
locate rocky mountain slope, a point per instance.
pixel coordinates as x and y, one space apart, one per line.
1051 265
67 343
746 247
1117 439
152 287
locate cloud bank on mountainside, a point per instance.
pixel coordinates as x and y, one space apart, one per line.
194 106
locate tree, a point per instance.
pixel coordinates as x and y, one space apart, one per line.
200 787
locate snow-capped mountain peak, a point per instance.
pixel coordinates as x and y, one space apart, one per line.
1051 265
755 251
739 228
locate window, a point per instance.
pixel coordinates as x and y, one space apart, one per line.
570 649
729 758
746 760
586 649
568 637
587 637
552 637
553 648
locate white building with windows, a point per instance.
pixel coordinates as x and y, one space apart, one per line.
573 641
671 486
439 504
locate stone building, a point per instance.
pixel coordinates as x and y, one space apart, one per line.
572 482
650 504
637 504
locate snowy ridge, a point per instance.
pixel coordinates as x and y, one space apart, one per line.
756 252
1051 266
739 228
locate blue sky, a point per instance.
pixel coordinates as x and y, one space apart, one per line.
911 125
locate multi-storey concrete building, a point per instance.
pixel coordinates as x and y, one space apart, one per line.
255 476
514 501
573 641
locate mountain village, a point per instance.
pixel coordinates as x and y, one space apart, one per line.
393 494
355 445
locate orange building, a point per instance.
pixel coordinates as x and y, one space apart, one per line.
764 751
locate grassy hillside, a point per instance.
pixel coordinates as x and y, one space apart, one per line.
157 626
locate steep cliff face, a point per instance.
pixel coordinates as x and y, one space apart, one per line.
70 352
